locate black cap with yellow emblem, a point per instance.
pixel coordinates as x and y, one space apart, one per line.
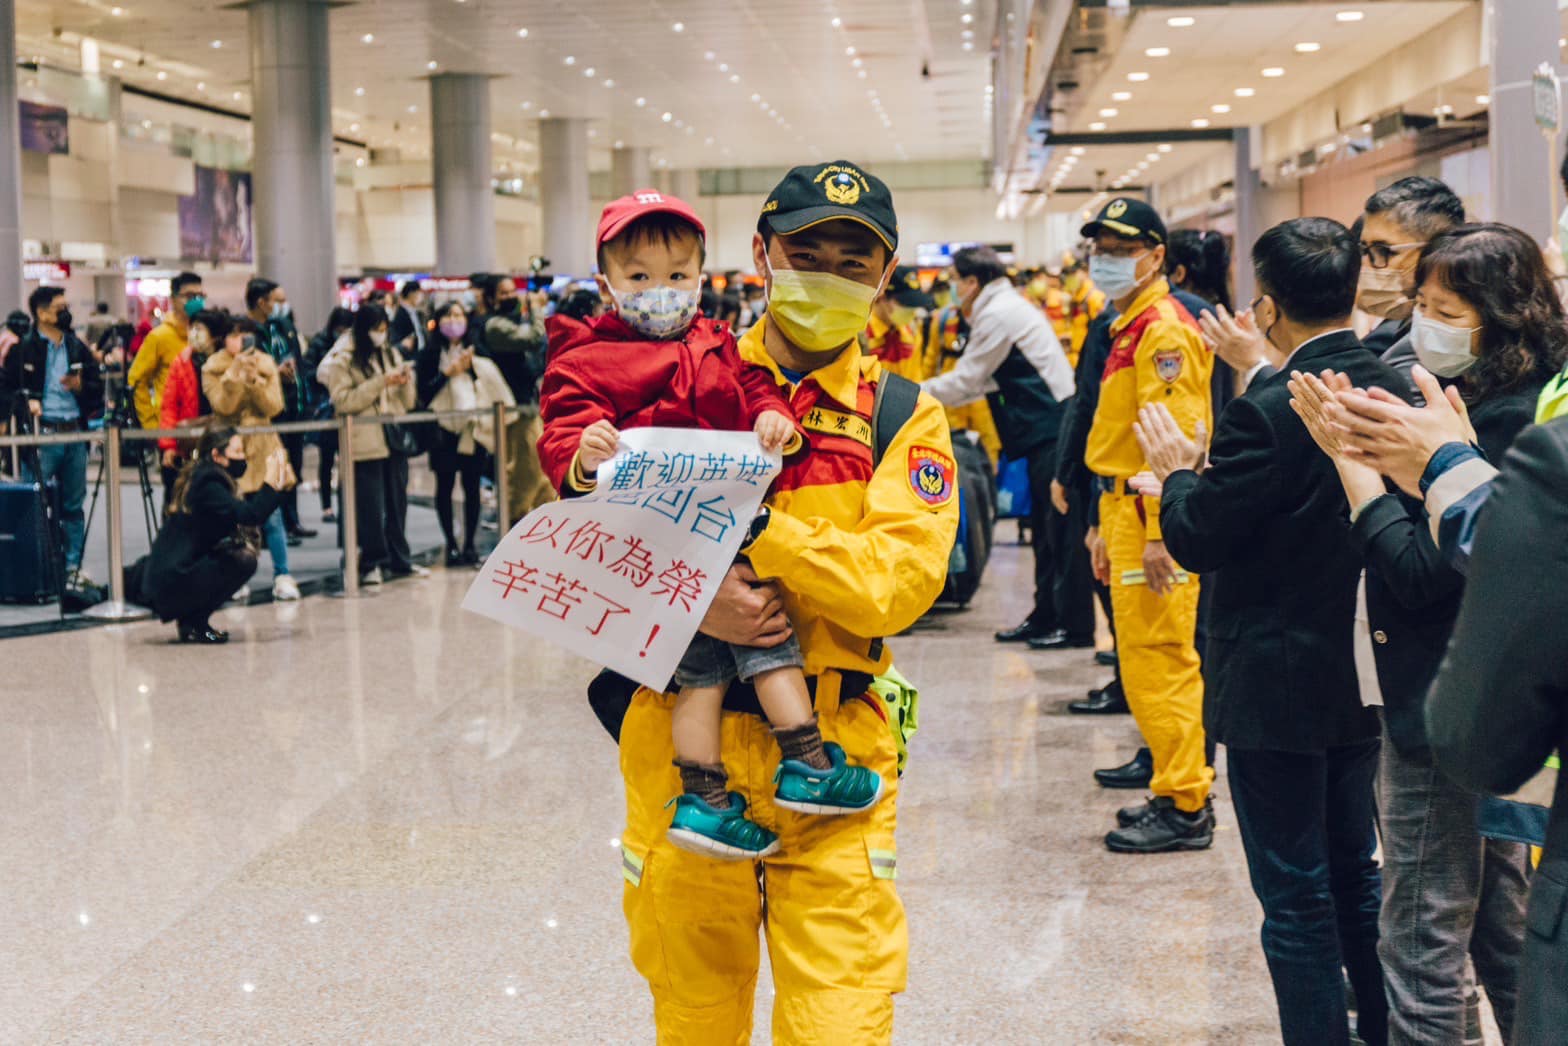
1133 219
904 288
821 192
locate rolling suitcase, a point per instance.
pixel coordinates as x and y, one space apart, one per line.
29 571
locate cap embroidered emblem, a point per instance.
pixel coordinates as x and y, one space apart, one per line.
1116 209
842 190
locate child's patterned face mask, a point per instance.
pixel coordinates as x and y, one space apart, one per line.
659 312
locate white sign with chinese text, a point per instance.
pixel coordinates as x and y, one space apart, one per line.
624 575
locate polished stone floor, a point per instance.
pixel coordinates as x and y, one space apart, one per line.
388 821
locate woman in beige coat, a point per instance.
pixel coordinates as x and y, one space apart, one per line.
366 377
242 386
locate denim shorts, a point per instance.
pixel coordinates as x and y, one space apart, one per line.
711 662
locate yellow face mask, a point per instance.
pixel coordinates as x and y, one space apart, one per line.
903 315
1072 281
818 311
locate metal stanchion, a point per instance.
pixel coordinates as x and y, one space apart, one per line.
116 608
348 510
503 493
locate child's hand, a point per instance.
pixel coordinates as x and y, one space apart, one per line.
774 429
599 443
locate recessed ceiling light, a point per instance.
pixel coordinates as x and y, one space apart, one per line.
861 74
216 44
432 65
522 34
620 144
1181 21
368 38
1108 113
1483 99
1137 78
544 114
708 56
667 117
1078 150
756 97
724 67
609 83
1245 92
969 45
1153 157
1121 96
968 34
359 92
162 75
967 19
413 108
1219 109
201 86
588 72
734 78
119 64
641 102
1158 52
1273 72
117 11
1165 148
353 126
679 27
857 63
238 95
1097 127
1349 16
1200 123
850 51
837 22
1308 47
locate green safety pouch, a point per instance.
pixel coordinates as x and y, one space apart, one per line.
902 700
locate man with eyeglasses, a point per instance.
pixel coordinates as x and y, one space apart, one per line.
150 369
1157 357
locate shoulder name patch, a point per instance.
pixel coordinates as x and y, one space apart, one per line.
932 475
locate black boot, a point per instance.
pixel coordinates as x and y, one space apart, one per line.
203 633
1110 699
1135 774
454 558
1030 629
1165 829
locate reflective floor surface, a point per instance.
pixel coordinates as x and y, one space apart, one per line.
387 821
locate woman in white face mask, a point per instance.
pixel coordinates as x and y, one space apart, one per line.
1488 322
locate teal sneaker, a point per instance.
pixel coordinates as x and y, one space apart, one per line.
725 834
845 789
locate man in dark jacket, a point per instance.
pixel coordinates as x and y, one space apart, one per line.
268 305
54 386
1499 706
1267 519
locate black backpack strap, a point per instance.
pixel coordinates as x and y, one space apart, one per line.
897 398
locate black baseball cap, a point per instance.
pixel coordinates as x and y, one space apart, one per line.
904 289
821 192
1128 217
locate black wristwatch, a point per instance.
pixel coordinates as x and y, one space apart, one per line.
758 525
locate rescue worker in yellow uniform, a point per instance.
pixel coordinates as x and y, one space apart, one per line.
858 550
1086 303
946 335
1157 356
893 333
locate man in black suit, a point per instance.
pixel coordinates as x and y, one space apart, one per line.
408 323
1267 521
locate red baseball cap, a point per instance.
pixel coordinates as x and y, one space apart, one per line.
621 213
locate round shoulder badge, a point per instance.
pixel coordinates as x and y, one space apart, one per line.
932 475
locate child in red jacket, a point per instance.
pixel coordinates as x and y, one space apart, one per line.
653 361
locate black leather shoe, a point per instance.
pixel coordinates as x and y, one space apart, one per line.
293 542
1135 774
302 532
1105 657
454 558
1110 699
205 634
470 557
1023 633
1165 829
1128 816
1060 640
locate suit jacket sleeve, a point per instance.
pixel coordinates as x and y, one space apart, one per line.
1204 518
1400 547
1500 699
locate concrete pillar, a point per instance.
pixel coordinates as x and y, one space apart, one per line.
460 155
295 193
685 184
563 196
631 168
1249 218
1523 35
10 162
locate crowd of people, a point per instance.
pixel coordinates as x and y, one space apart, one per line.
1274 507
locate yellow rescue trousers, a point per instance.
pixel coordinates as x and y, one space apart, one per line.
1155 642
837 939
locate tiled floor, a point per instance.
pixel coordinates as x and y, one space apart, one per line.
388 821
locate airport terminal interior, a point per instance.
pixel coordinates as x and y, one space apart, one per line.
306 706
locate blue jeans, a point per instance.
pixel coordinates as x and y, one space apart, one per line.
66 465
277 543
1306 821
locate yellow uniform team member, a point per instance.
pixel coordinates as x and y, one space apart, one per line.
858 550
150 368
947 332
1157 356
1087 302
893 333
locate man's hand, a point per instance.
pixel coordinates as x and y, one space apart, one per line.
1165 447
1377 429
774 429
35 408
1159 569
276 469
747 611
1234 339
1145 484
286 369
71 382
599 443
1058 497
1099 556
171 458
